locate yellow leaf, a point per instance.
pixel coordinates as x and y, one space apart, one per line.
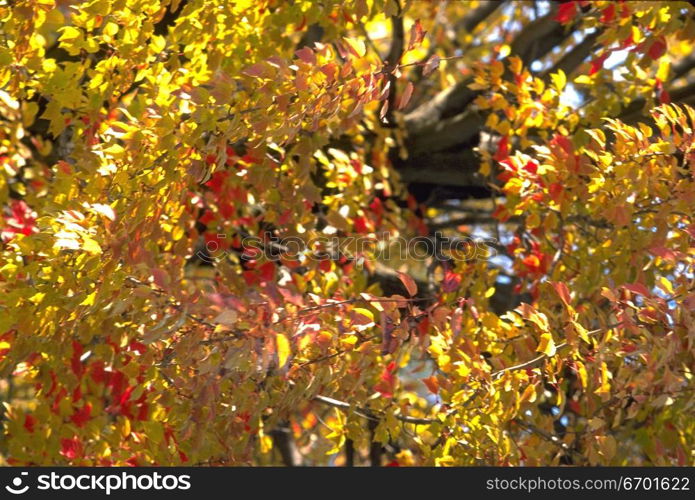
607 446
662 72
69 33
364 312
90 246
266 444
529 394
597 135
283 347
559 80
546 345
110 29
605 386
125 429
581 331
89 301
665 285
158 43
357 46
581 371
584 80
37 298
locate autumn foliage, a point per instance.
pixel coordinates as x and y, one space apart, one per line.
144 144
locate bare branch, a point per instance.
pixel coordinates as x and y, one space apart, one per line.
471 20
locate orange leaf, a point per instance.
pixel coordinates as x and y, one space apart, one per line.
405 96
432 384
409 284
563 292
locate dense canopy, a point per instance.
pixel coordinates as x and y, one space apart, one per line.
352 232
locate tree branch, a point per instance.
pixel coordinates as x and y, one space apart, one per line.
442 123
393 59
684 66
471 20
575 57
284 442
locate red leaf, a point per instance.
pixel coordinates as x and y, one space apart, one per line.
657 49
416 35
29 423
207 217
360 224
451 281
597 64
502 149
531 167
608 14
216 181
20 222
628 348
664 253
405 96
81 417
377 207
75 362
71 448
267 271
142 412
307 55
562 142
387 382
638 288
138 347
566 12
627 41
664 97
99 374
555 190
409 284
125 396
573 405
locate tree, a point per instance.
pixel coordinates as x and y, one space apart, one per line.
356 232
